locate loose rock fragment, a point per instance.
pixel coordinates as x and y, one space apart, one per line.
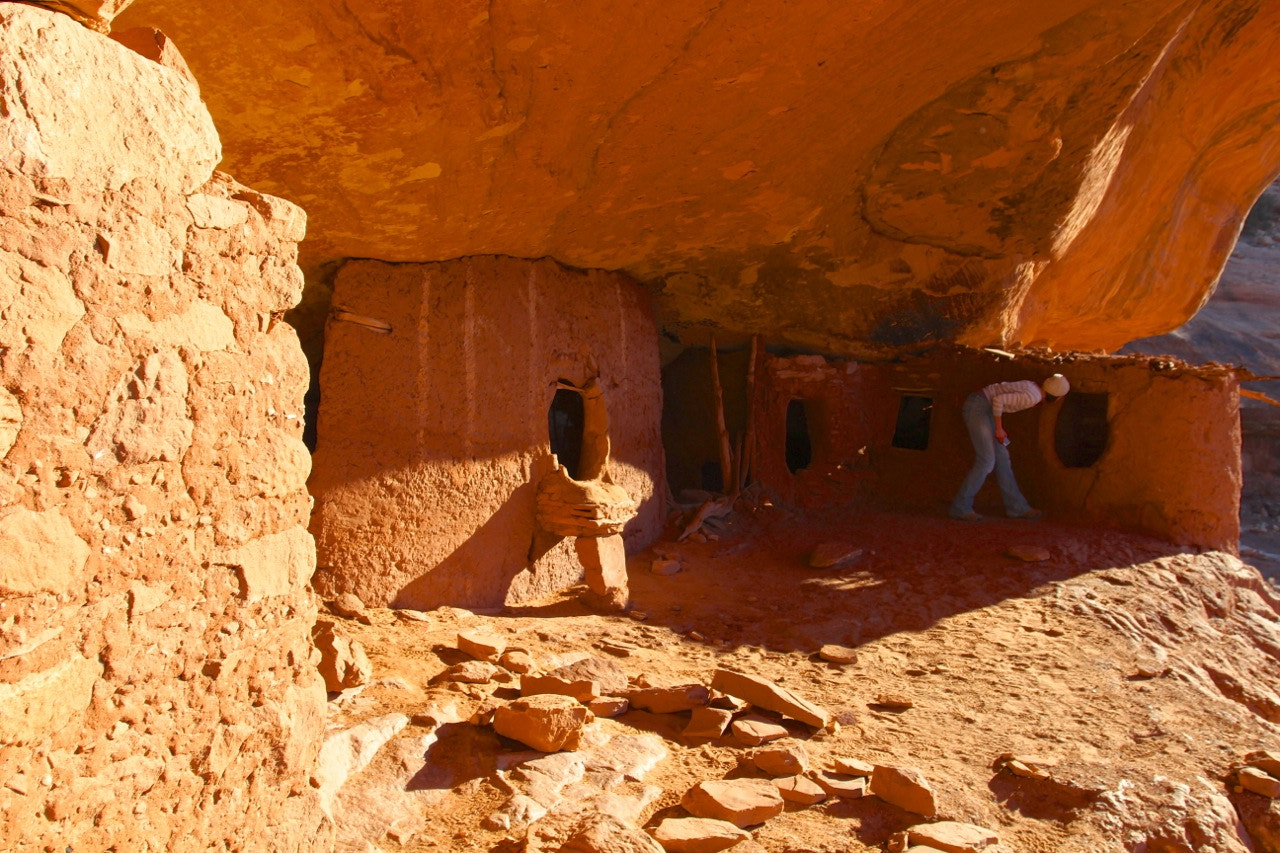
698 835
349 606
1259 782
845 787
609 706
517 660
771 697
1267 762
742 802
583 691
665 567
895 701
670 700
952 837
754 731
838 654
829 555
707 722
904 787
481 645
1028 553
787 757
546 722
800 789
343 662
470 672
607 674
853 767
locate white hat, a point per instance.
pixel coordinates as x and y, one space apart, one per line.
1056 385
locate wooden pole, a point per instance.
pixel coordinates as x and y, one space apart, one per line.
749 442
726 454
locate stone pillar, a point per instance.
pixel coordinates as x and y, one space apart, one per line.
157 683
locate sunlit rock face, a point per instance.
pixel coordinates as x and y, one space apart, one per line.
857 178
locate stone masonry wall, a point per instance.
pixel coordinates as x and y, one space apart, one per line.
157 686
435 389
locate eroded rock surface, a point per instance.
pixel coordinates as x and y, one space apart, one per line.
848 179
157 687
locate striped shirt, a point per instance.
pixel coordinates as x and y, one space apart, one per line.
1006 397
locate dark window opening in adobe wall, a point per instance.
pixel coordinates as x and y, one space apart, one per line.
1082 433
565 421
914 417
799 441
712 476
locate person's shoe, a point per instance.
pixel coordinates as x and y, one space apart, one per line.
1032 514
965 516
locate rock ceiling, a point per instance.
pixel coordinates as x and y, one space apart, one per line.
853 177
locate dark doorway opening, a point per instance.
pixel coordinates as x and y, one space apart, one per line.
712 476
565 420
799 441
1083 431
914 416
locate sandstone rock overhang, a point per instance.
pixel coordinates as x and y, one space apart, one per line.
851 178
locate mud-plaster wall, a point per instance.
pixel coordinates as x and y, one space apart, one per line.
157 690
1171 466
432 437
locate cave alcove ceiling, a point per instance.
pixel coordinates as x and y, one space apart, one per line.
857 179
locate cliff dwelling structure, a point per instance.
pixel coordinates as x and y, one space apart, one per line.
530 426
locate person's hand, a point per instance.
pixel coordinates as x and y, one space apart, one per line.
1001 435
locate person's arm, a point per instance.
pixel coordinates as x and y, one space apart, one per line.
1001 435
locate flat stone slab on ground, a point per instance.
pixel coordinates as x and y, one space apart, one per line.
754 731
801 790
582 690
611 677
952 837
698 835
606 834
742 802
765 694
670 700
481 645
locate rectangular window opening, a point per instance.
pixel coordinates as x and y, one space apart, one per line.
912 429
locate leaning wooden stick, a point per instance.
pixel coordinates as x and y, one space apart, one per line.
749 442
726 454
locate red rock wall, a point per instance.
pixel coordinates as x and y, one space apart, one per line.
1171 466
157 688
433 436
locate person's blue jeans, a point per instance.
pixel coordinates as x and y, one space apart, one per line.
990 455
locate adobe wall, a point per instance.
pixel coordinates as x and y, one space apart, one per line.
157 687
1171 466
433 435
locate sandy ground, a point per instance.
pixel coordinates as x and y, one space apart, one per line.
1136 672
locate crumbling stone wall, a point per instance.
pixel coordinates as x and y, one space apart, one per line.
435 389
157 687
1170 465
